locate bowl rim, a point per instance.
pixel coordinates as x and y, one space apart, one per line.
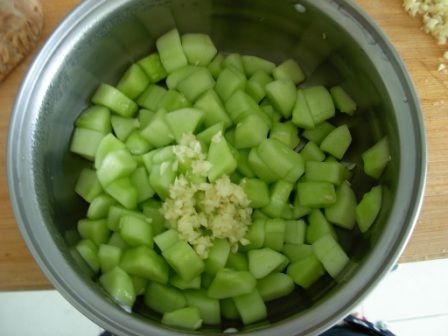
98 309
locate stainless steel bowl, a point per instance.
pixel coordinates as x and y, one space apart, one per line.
334 42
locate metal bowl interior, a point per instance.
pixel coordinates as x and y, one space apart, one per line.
334 43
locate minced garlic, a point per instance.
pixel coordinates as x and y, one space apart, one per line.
434 15
201 211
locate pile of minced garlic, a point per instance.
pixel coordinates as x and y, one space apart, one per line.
434 14
201 211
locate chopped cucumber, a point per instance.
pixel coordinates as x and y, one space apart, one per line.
343 211
376 158
250 307
229 283
170 50
209 309
153 67
186 318
198 48
119 285
264 261
369 207
142 261
342 100
164 299
95 118
274 286
330 254
116 101
133 82
289 69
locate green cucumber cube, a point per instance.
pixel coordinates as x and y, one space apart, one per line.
99 207
376 158
88 185
124 192
163 298
183 121
135 231
342 100
140 181
318 133
228 309
217 256
237 261
180 283
257 192
221 158
254 64
282 94
142 261
162 177
196 83
287 163
216 65
343 211
320 103
166 239
318 227
178 76
312 152
244 167
116 212
296 252
133 82
229 81
151 209
139 285
316 194
240 105
151 97
205 137
153 67
250 132
119 285
137 144
260 168
109 257
330 254
186 318
85 142
337 142
235 61
286 133
256 84
289 69
116 101
89 253
116 240
209 309
94 230
123 127
274 286
264 261
250 307
107 145
229 283
301 114
173 100
115 165
214 111
198 48
95 118
331 172
304 272
184 260
295 232
274 236
255 234
170 50
280 192
369 208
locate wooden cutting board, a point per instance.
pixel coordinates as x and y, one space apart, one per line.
18 271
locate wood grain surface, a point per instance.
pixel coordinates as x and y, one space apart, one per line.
18 270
